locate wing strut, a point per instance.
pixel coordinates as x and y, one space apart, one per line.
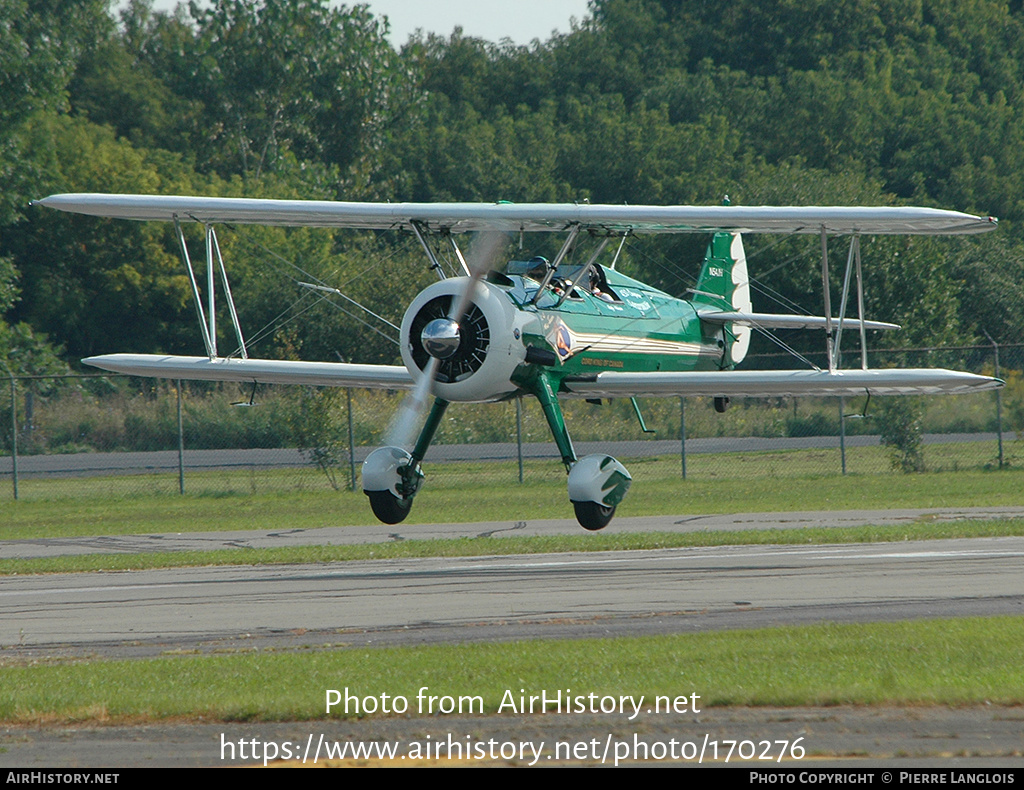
208 327
458 254
852 263
860 310
420 229
826 291
435 265
211 241
853 254
211 350
566 246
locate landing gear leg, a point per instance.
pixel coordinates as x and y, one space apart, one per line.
430 427
391 476
545 393
597 483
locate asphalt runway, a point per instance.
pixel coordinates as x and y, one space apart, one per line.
415 601
410 530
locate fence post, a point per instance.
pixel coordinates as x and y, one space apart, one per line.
14 430
181 445
682 433
351 442
842 431
519 435
999 400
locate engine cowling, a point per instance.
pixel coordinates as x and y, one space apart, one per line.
488 350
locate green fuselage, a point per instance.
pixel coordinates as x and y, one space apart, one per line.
626 326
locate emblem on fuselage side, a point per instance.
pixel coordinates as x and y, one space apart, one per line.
562 341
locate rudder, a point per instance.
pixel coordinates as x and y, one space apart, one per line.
724 284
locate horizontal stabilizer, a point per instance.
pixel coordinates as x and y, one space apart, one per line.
786 321
774 383
263 371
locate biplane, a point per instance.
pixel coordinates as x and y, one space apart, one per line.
551 329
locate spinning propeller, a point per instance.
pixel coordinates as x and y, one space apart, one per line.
449 338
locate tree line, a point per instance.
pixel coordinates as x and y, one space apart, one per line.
774 102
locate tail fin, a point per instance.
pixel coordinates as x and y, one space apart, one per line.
724 284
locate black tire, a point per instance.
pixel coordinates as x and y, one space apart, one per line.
593 516
388 508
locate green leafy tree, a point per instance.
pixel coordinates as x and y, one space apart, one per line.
40 45
297 78
769 101
115 84
98 285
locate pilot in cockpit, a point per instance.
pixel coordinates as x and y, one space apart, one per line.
599 286
537 268
596 287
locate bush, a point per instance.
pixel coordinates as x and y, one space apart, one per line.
899 420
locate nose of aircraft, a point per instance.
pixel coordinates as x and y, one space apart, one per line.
440 337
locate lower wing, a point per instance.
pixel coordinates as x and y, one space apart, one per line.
730 384
774 383
263 371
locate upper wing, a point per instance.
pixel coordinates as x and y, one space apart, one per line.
462 217
774 383
263 371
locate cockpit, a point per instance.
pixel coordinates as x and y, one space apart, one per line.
566 281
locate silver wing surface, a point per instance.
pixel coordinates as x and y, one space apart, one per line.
776 383
527 217
262 371
731 384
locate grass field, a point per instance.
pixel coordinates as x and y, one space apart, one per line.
948 662
943 662
458 492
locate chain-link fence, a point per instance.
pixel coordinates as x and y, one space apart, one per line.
76 436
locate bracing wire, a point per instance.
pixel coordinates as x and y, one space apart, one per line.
277 322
